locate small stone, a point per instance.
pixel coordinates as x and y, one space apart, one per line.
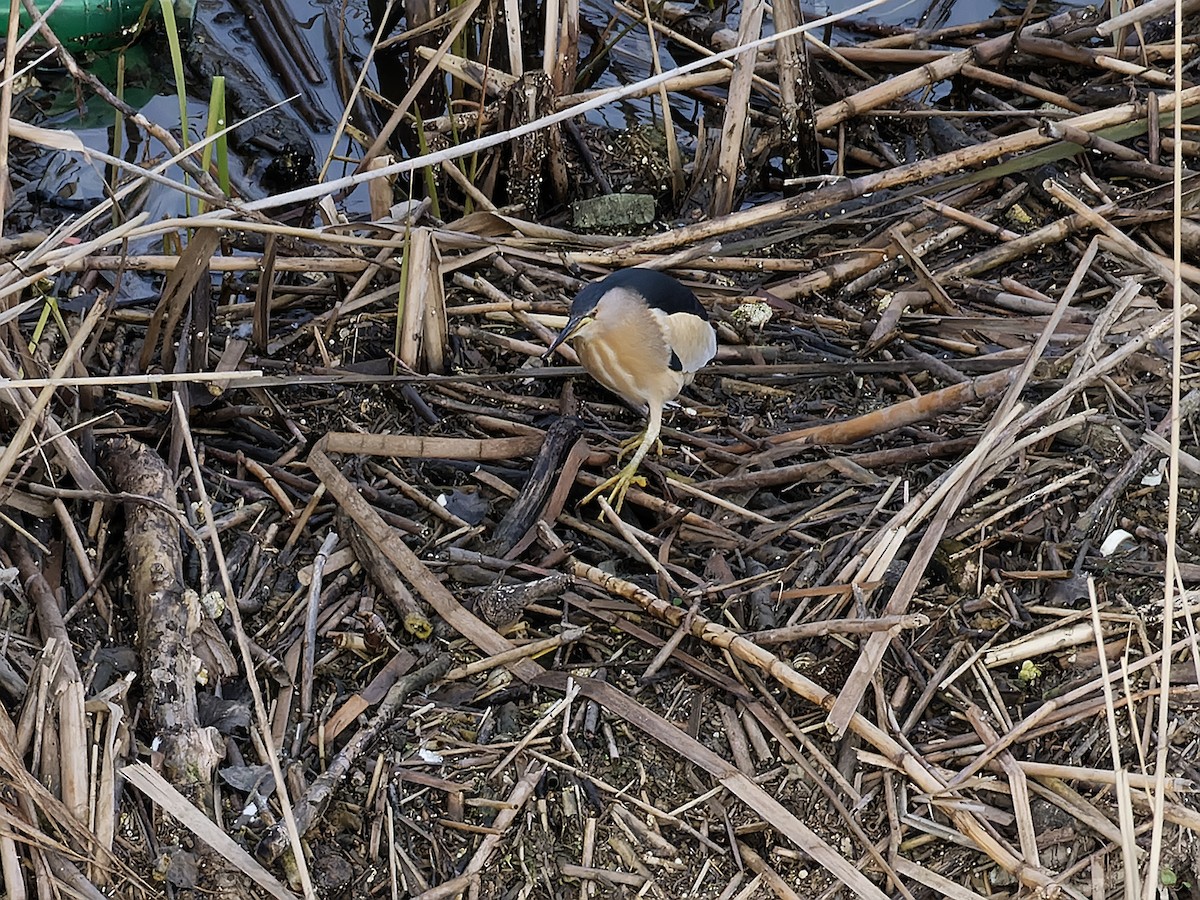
613 211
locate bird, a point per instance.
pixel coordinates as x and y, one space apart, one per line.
644 336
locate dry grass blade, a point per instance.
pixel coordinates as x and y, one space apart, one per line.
947 501
789 678
422 332
737 109
735 782
154 786
66 753
462 19
1171 581
32 416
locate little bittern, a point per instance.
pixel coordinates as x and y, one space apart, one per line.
644 336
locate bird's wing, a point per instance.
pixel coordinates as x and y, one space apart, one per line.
690 338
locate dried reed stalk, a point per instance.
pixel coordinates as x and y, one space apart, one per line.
737 111
748 652
911 173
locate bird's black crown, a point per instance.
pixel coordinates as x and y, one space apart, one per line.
660 292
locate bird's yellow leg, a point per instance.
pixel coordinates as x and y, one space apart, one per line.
628 475
620 484
628 445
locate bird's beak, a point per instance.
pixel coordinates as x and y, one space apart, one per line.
572 326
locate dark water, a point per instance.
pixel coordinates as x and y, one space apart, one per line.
64 183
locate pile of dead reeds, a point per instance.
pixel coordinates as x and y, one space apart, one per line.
297 587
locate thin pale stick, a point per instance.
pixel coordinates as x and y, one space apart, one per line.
260 709
1170 575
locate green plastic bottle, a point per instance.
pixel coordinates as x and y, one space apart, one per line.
93 25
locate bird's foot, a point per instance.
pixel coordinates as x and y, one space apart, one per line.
628 445
620 484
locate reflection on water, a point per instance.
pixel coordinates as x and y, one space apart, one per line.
341 28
